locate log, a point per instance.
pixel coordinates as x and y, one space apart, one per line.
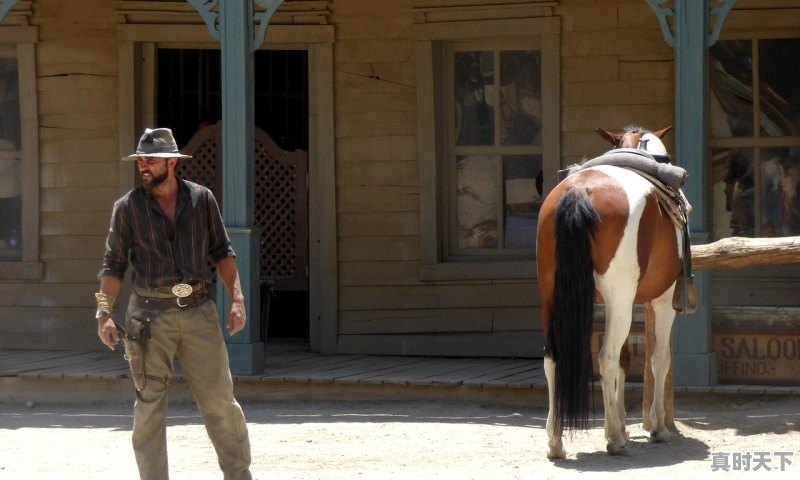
740 252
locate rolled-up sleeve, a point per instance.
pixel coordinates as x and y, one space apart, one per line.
219 242
115 259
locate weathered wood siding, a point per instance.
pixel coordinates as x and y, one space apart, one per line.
76 67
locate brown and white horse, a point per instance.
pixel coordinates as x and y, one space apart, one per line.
604 237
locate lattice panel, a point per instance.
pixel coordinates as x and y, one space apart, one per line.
281 214
204 168
281 201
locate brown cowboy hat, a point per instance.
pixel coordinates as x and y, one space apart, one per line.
157 142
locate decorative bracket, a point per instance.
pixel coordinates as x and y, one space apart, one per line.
206 9
5 7
718 13
210 13
263 18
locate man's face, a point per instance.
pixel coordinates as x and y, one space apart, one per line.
153 171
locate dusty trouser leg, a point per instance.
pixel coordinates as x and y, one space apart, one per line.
150 409
204 359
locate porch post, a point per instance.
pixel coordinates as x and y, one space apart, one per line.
694 360
246 350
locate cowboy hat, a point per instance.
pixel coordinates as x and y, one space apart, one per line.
157 142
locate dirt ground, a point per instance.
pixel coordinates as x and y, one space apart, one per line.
408 439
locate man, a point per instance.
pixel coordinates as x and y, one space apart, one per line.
169 228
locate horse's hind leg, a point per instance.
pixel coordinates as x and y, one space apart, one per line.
660 361
554 443
618 323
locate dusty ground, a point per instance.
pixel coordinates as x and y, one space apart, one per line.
414 440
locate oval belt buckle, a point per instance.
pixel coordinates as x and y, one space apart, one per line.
181 290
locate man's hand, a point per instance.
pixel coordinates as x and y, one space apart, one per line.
236 317
107 332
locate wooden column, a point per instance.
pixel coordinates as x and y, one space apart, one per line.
694 362
246 351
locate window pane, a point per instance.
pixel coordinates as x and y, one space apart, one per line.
779 92
10 168
520 98
473 77
734 192
522 177
780 209
477 201
731 79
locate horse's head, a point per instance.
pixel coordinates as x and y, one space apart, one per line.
638 137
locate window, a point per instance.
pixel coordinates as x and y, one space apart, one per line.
489 145
10 159
19 152
755 137
494 148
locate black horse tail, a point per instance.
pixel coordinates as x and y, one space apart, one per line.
571 326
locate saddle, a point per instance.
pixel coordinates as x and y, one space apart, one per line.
667 180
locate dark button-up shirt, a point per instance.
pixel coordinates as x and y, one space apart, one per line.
161 252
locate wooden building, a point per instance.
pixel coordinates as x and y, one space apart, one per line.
431 131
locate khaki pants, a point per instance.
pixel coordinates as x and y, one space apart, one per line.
195 337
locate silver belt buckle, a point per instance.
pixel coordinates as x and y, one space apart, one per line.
182 290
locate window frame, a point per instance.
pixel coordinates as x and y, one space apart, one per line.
21 41
431 52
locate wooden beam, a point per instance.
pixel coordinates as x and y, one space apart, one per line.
740 252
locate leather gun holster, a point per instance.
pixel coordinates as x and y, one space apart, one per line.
135 347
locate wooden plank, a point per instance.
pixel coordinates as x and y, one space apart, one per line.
410 374
437 296
407 321
375 124
379 273
363 224
393 173
522 344
379 249
301 368
378 365
506 380
378 149
494 375
456 376
381 198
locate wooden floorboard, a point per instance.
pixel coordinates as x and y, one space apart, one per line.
292 366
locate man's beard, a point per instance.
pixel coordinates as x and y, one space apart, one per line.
154 180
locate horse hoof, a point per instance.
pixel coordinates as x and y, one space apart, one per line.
660 436
556 454
615 449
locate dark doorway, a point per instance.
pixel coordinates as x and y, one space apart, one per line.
189 97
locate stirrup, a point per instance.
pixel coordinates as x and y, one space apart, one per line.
684 300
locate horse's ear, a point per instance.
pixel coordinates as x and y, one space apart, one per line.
611 138
662 132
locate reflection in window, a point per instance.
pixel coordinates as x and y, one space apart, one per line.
10 159
756 175
477 201
520 98
731 77
522 177
473 77
779 94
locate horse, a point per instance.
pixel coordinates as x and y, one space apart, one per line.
604 237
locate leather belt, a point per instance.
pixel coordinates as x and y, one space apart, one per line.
194 300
